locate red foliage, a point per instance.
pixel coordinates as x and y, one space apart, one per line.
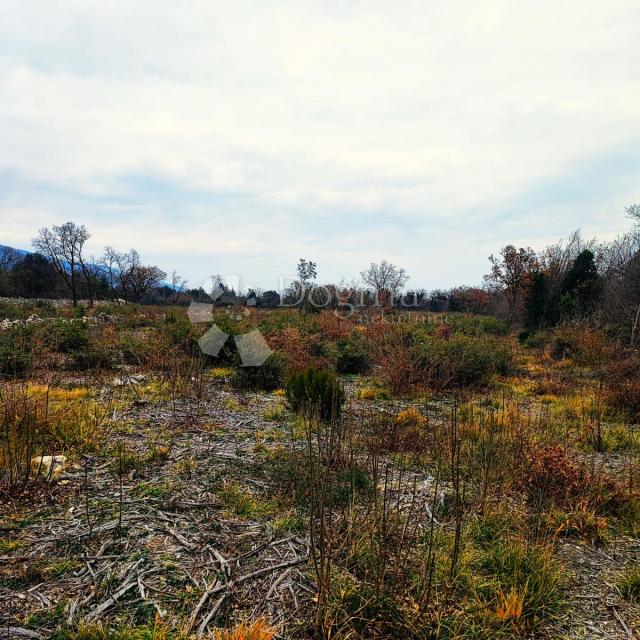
553 475
444 331
333 327
296 349
623 385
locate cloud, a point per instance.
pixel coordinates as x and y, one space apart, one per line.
240 136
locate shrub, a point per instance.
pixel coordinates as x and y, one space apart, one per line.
472 325
629 582
96 355
177 327
585 345
532 340
553 475
68 336
623 385
316 392
462 360
16 350
258 630
563 347
352 354
267 377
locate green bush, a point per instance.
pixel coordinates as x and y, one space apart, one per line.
316 392
16 350
285 318
94 356
532 340
352 354
177 327
136 349
68 336
462 360
471 325
563 347
267 377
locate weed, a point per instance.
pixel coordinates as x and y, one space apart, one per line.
275 413
257 630
316 393
629 582
240 501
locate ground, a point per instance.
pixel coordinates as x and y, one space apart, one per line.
192 532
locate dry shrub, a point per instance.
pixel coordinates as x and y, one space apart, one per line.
623 385
297 350
444 331
585 345
333 327
257 630
409 430
553 475
394 361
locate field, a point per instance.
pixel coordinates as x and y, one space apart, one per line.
398 476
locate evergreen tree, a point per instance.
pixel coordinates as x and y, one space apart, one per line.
537 301
582 284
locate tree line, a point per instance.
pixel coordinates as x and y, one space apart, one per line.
568 280
60 268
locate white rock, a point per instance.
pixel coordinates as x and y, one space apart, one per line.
49 466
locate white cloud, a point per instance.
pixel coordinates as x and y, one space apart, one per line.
345 130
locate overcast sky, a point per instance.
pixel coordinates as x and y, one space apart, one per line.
237 136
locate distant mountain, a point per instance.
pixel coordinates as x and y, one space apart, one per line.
22 252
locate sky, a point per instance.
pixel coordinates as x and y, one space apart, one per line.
237 137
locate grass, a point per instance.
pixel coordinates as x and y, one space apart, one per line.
629 582
526 575
241 502
10 546
360 485
275 413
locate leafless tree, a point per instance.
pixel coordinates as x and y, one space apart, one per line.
127 275
621 275
385 279
633 212
179 285
64 247
510 273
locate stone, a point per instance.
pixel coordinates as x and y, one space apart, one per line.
48 466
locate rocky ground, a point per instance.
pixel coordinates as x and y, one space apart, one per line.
174 517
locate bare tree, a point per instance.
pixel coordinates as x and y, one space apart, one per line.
179 286
386 279
63 246
510 273
126 274
556 259
621 276
633 212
